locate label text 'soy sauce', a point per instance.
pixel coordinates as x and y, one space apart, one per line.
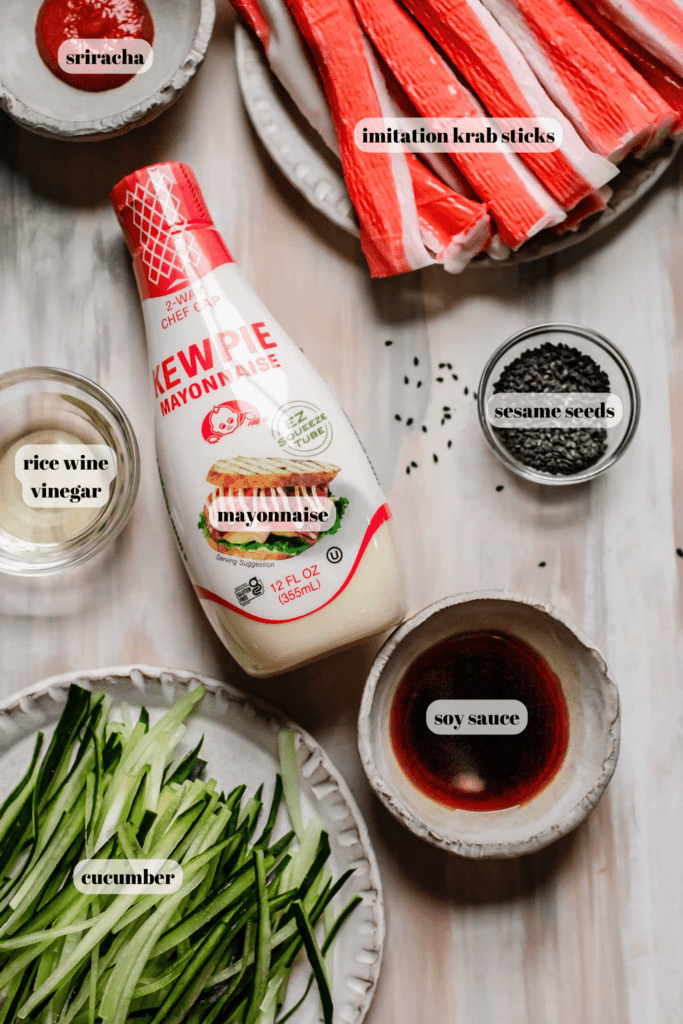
480 772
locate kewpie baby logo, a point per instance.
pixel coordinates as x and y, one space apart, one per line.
225 418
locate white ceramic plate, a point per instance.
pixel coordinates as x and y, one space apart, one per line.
316 172
240 745
39 101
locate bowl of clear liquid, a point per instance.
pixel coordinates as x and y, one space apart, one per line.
51 418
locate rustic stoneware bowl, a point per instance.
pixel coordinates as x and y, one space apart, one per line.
592 701
39 101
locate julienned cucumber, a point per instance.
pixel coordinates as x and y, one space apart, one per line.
220 949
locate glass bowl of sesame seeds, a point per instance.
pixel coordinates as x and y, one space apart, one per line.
558 404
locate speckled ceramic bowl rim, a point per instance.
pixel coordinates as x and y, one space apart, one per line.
436 837
125 120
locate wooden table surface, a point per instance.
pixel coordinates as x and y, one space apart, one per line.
590 931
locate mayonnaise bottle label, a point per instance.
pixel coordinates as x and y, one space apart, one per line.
263 441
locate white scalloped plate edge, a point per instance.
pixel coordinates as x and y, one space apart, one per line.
358 987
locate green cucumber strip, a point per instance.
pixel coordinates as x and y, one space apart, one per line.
19 941
182 772
270 1001
18 963
63 739
320 859
190 870
7 813
290 779
94 972
263 937
325 948
15 994
305 855
189 987
49 860
118 994
265 836
129 842
62 900
316 961
95 935
138 809
289 930
227 896
136 750
147 986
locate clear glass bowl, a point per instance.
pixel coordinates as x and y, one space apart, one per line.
606 355
35 403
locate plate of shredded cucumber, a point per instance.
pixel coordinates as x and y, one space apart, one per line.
278 916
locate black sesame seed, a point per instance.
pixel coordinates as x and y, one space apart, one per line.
679 552
406 380
454 376
442 366
500 487
388 343
440 380
397 417
407 469
467 391
449 366
447 416
409 421
419 383
435 457
414 465
541 565
442 422
450 443
416 361
424 429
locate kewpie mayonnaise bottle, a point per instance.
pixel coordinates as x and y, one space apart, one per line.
245 427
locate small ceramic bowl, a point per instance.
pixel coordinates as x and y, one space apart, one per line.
39 101
608 357
594 728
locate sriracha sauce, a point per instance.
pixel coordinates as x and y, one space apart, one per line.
59 20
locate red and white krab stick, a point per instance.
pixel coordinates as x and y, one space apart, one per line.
519 203
614 109
379 183
665 81
609 71
501 77
655 24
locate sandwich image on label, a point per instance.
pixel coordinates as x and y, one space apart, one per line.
251 493
292 552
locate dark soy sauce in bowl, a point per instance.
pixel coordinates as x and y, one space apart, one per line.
480 773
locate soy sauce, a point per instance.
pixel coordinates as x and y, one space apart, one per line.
480 773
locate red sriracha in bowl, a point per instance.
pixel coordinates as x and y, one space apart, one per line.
59 20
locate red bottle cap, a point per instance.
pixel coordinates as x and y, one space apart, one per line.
167 227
